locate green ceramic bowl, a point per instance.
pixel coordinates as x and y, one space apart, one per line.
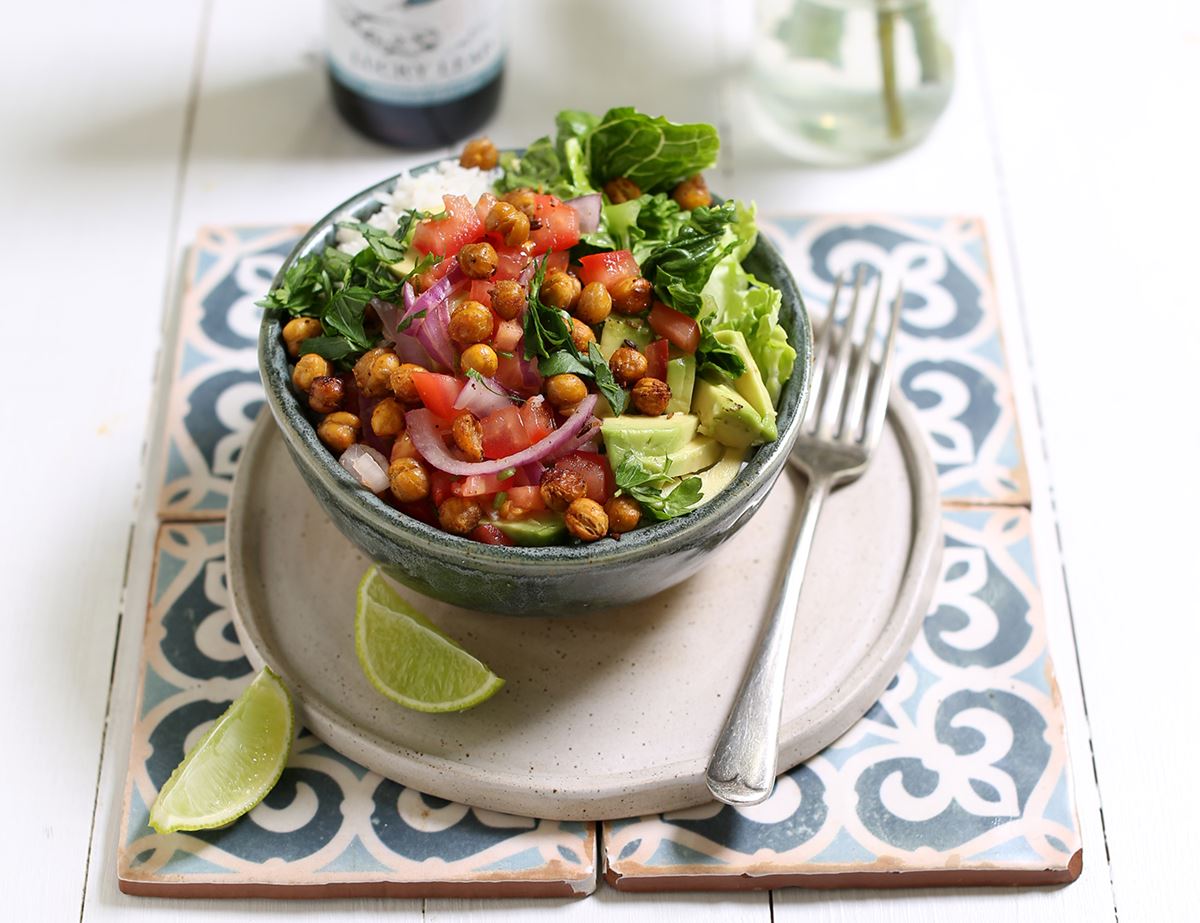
560 580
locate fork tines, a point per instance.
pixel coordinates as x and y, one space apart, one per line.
855 416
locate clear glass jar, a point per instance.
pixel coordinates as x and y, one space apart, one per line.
848 81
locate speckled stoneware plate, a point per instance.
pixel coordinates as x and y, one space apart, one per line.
607 714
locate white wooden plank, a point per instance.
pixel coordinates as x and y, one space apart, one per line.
1098 160
609 905
87 179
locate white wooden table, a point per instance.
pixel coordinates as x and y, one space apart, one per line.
1073 131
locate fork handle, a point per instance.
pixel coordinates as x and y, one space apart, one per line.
743 764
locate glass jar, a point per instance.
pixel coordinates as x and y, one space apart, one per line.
837 82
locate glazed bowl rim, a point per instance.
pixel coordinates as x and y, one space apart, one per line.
655 539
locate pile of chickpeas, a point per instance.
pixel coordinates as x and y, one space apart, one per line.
381 376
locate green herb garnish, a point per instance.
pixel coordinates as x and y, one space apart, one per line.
646 486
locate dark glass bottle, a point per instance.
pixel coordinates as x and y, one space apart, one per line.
416 73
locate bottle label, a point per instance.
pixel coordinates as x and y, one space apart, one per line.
415 52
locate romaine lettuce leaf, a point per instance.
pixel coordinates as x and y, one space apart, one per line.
735 300
653 152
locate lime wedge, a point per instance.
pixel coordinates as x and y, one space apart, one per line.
234 765
409 660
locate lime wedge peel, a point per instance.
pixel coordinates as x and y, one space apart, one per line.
235 764
408 660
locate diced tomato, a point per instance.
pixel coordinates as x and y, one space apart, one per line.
528 499
484 205
490 534
438 392
481 291
441 485
656 359
403 448
512 261
537 419
477 485
434 274
557 262
423 510
503 433
609 267
595 471
559 224
508 334
446 235
676 326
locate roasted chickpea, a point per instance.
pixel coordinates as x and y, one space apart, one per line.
326 394
632 295
508 298
651 396
509 222
308 367
403 448
409 480
481 153
299 329
387 419
586 519
478 261
402 382
373 371
523 199
581 335
624 513
565 389
480 358
594 305
459 515
560 487
627 365
560 290
510 511
339 431
692 193
621 189
471 323
468 435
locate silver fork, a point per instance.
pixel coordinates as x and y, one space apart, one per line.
837 437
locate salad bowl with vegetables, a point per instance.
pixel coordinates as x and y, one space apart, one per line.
544 381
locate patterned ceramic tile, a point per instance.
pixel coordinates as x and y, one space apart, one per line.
960 770
950 354
215 390
329 825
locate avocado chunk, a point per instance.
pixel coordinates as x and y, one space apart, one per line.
750 384
728 417
617 330
654 438
681 376
718 477
702 452
540 529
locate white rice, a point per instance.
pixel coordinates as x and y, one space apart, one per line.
423 192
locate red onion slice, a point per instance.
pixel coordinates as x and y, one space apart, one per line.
435 333
587 207
425 437
482 397
367 466
436 293
585 441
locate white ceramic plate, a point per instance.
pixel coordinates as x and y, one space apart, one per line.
611 714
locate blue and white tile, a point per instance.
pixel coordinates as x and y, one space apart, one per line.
960 766
950 352
328 820
215 391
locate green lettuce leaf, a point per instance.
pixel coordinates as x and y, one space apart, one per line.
653 152
733 299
